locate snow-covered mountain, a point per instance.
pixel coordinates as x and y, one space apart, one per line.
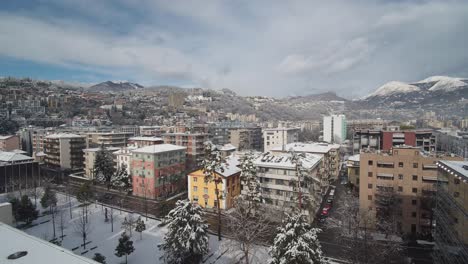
111 86
435 89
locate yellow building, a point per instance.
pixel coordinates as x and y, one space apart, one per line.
203 193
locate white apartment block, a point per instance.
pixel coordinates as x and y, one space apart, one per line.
334 128
277 137
279 183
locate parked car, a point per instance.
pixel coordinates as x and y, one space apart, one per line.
325 212
327 206
330 201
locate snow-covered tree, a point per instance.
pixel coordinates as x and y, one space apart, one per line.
25 210
302 178
125 247
140 226
187 238
121 180
296 243
212 163
49 199
104 166
128 224
249 180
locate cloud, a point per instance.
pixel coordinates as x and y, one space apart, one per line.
252 47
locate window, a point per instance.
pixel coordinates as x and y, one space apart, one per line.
415 190
279 182
216 203
415 165
413 228
414 214
456 181
205 190
195 198
371 162
369 186
369 197
414 202
279 192
400 188
415 177
456 194
400 176
195 188
400 164
369 174
195 179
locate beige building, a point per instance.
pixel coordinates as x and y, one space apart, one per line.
451 213
108 139
64 151
247 138
400 181
9 143
89 158
353 170
278 137
144 141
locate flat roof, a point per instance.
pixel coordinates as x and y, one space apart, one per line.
185 134
158 148
38 250
456 167
281 128
283 160
316 147
12 156
356 157
146 138
64 135
97 149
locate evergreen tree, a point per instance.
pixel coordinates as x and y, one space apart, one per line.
121 180
187 238
15 205
85 193
140 226
249 180
49 198
296 243
26 210
212 163
98 257
125 247
104 167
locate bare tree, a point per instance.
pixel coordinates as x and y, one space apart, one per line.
82 226
248 229
62 223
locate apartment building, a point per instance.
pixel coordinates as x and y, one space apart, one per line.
331 156
278 137
451 213
9 143
158 170
193 143
406 176
144 141
123 157
229 186
353 166
151 131
279 182
64 151
378 139
107 139
247 138
90 157
132 130
334 128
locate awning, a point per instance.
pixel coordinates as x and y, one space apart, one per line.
430 166
429 178
384 163
385 175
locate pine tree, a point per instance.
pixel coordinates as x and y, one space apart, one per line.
121 180
212 163
98 257
49 199
250 181
296 243
125 247
187 238
26 210
140 226
104 167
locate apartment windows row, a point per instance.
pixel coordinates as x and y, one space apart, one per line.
391 164
388 177
277 171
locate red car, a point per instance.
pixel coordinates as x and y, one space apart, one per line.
327 206
325 212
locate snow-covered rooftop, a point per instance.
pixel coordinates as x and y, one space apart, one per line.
38 250
456 166
146 139
356 157
6 137
64 135
227 147
316 147
97 149
231 166
158 148
283 160
281 129
13 157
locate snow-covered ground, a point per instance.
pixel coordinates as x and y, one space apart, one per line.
146 250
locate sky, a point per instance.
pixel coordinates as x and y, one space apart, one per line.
253 47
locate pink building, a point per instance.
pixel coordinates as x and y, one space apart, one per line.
158 170
9 143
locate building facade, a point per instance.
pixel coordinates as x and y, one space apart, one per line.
158 170
90 157
140 142
107 139
247 138
405 176
334 128
279 137
352 165
64 151
229 186
18 172
451 213
9 143
193 142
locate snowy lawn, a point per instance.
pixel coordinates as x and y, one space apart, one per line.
103 241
